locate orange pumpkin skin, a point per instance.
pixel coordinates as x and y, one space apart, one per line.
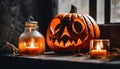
71 32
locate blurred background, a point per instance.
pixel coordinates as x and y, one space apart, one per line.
14 14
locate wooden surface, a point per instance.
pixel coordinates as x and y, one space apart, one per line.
66 57
52 60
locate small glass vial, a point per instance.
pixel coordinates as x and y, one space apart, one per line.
31 42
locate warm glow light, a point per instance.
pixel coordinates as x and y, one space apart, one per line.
98 51
32 44
98 47
24 43
65 32
31 41
68 43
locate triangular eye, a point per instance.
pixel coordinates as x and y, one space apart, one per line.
77 26
55 25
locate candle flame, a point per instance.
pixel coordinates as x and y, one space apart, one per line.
98 47
24 43
32 44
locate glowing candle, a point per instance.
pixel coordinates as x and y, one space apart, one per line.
98 52
32 49
97 49
31 41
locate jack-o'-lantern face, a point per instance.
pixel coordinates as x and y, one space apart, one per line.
71 32
65 32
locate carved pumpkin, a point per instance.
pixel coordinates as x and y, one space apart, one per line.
71 32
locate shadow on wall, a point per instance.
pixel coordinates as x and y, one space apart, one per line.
14 14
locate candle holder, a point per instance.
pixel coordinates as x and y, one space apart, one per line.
99 48
31 41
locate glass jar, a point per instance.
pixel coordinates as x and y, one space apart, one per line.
31 42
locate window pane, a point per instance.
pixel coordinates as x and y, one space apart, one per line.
64 6
115 11
100 11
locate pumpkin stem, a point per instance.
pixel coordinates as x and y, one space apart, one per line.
73 9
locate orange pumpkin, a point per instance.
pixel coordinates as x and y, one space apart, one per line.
71 32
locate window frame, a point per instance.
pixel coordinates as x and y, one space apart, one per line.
92 10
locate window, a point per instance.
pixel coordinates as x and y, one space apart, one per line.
115 11
103 11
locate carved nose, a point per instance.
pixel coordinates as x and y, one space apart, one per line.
65 32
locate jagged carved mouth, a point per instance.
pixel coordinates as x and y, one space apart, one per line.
67 43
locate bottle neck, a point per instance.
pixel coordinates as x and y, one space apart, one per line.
31 28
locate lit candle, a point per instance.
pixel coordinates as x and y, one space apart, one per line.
32 49
98 51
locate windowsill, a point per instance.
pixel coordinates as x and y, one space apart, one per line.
51 60
111 24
